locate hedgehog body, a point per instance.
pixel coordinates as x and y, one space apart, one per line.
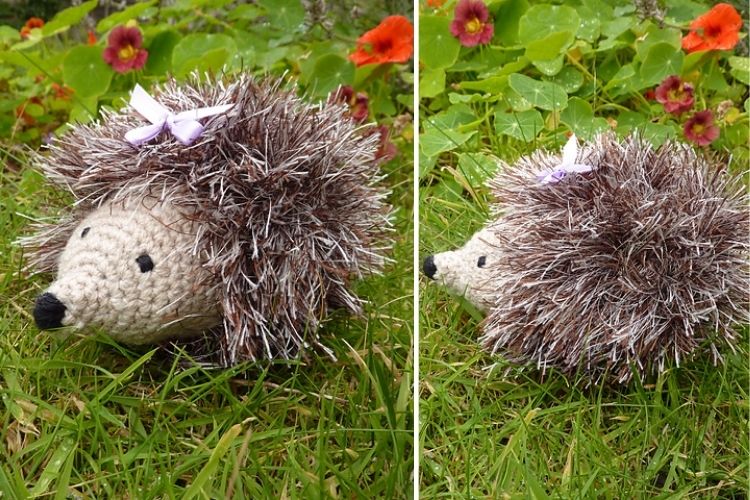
252 232
636 256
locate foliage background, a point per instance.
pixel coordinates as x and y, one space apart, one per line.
89 418
491 429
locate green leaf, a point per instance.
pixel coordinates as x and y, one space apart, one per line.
541 20
85 71
549 47
524 125
245 11
439 137
431 82
330 71
579 116
654 35
740 69
160 50
437 47
550 68
201 51
9 34
67 18
657 133
132 12
591 24
510 12
545 95
477 167
494 85
285 15
662 60
569 78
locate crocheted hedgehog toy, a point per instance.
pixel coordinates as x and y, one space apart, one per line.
229 207
609 260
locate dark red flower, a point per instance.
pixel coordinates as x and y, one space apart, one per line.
717 29
675 95
358 103
470 24
701 129
124 50
33 22
391 41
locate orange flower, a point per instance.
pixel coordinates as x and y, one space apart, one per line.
435 3
91 38
391 41
717 29
33 22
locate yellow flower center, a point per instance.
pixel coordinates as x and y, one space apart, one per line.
127 53
473 27
698 129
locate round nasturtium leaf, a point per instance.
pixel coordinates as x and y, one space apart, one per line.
541 20
85 71
201 51
524 125
437 47
329 72
545 95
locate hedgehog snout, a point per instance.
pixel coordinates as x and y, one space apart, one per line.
48 311
428 267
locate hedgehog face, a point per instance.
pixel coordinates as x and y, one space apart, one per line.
130 269
466 271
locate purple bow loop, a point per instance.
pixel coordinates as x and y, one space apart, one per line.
184 125
567 166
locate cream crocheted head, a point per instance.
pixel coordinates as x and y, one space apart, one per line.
249 233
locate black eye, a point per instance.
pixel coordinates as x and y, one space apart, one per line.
482 261
85 232
145 263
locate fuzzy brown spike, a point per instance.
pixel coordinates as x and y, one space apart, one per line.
288 196
641 260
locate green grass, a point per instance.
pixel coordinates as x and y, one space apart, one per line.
489 429
87 418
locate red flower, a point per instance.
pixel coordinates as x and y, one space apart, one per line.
701 129
675 95
435 3
358 104
470 24
391 41
717 29
91 38
124 51
33 22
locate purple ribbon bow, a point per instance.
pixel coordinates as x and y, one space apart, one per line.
184 125
568 165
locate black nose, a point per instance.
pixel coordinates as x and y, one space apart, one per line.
48 311
428 267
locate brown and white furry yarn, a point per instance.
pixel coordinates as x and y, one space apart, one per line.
287 198
641 260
